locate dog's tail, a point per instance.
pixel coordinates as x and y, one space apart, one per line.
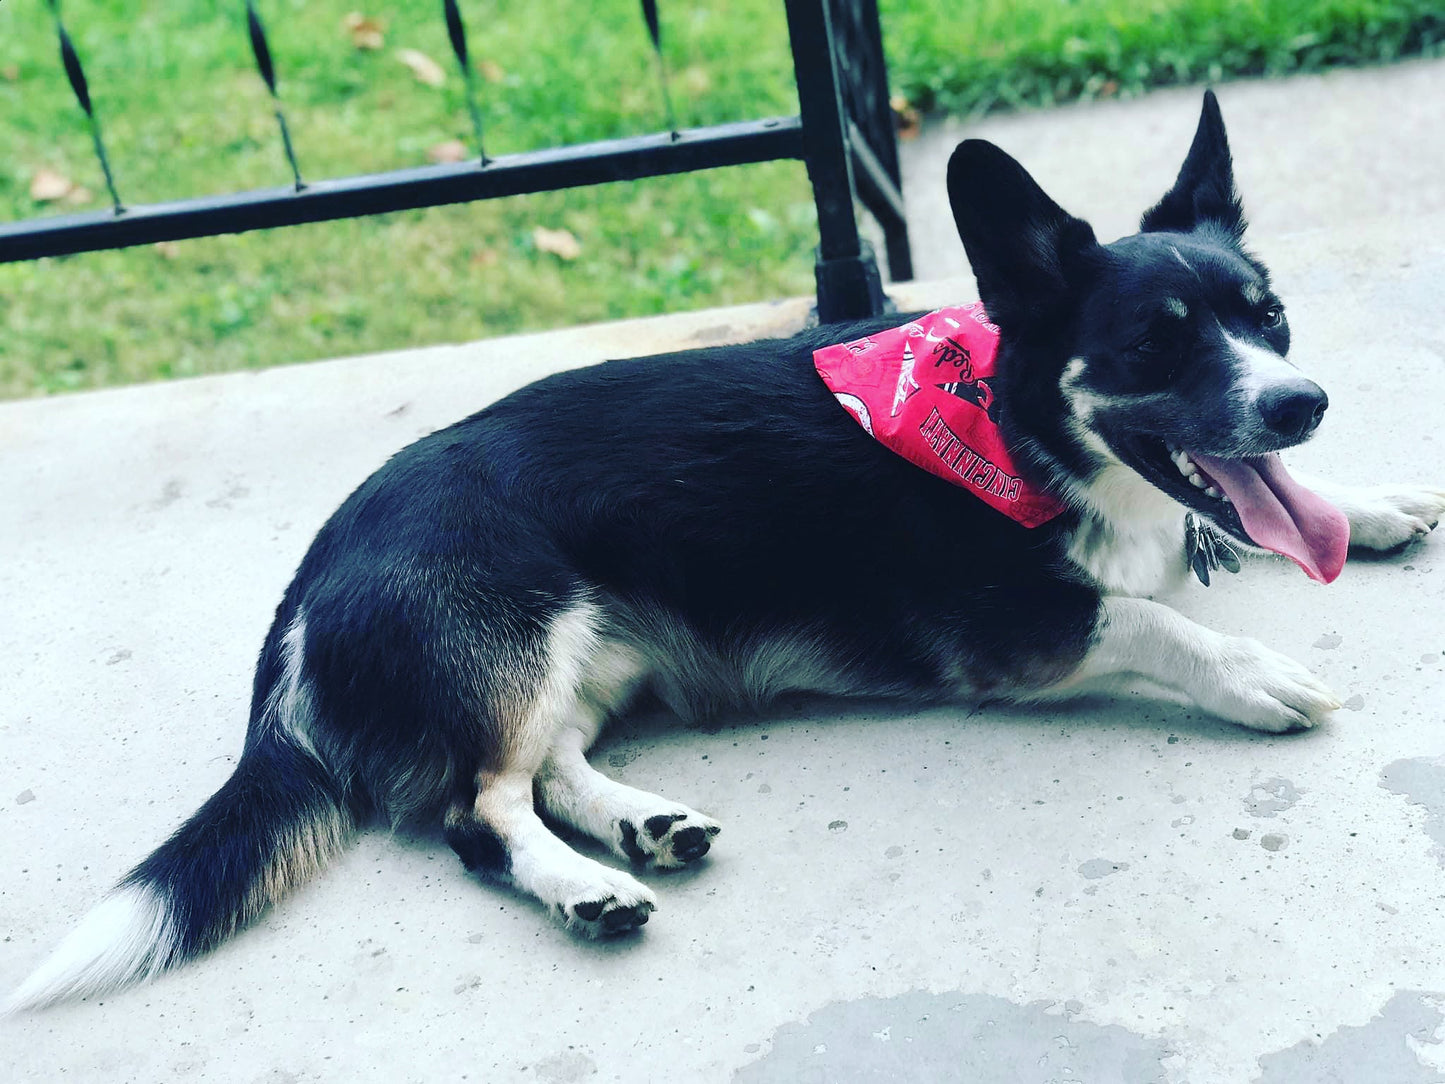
272 825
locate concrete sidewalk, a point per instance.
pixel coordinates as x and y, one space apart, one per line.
1348 147
1117 891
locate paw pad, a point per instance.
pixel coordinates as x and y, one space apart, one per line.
657 826
667 840
610 916
692 842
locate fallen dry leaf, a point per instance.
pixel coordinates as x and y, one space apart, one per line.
697 80
491 70
365 32
422 66
78 194
453 150
168 249
10 73
561 243
906 119
47 186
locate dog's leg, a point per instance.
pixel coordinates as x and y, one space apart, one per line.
639 826
500 835
1383 517
1233 677
495 828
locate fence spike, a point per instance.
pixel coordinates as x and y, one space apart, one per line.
70 60
654 31
457 32
262 52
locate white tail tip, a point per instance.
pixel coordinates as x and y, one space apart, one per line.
129 936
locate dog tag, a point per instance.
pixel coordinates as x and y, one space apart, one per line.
1205 549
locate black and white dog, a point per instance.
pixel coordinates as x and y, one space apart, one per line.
468 620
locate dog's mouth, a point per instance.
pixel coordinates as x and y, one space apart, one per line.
1255 499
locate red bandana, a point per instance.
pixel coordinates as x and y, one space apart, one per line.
924 391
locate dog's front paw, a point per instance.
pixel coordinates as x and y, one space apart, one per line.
1257 687
1388 517
617 906
668 840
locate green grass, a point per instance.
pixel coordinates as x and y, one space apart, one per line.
185 114
990 54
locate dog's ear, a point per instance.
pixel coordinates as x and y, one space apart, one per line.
1026 250
1204 190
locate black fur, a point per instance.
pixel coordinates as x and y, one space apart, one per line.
629 843
479 847
277 805
1205 189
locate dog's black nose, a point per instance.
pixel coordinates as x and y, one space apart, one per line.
1294 410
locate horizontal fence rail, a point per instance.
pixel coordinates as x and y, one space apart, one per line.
843 133
403 189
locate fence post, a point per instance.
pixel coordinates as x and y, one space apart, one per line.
849 285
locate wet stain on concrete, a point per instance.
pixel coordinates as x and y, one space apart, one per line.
1329 641
234 492
1378 1050
1272 797
119 655
24 797
1354 703
568 1067
920 1036
169 495
1422 781
468 982
1095 868
1274 841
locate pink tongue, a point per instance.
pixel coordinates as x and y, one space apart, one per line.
1281 515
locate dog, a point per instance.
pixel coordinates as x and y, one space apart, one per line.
464 625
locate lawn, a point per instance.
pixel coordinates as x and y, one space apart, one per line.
186 114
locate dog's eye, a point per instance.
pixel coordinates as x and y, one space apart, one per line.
1148 346
1273 316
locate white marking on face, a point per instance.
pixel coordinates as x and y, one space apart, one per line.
1081 401
1176 307
1253 293
1180 257
1258 368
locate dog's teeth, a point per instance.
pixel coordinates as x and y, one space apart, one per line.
1212 491
1196 481
1185 464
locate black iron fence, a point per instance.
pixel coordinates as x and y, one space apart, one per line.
843 133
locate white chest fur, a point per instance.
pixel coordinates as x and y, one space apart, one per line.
1132 540
1140 562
